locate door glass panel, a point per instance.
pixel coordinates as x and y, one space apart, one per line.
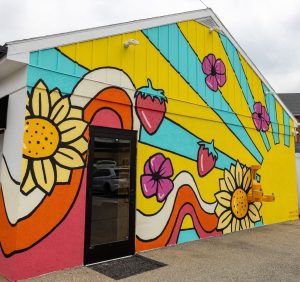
110 191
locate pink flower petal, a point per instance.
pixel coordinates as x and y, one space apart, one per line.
257 121
149 186
206 66
166 169
212 59
220 67
265 115
257 107
147 168
165 186
221 79
264 125
156 162
211 82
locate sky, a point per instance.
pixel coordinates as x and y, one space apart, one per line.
267 30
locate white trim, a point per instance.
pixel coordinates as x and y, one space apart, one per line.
50 41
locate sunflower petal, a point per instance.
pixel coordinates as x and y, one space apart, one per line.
243 224
227 230
28 184
69 158
71 129
247 222
24 168
230 182
238 174
258 205
80 145
234 223
60 110
44 174
27 113
223 186
238 225
247 180
253 213
219 210
75 113
224 219
54 96
63 174
232 170
40 100
223 198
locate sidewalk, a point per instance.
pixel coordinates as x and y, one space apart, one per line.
269 253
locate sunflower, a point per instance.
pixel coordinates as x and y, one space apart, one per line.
233 209
53 144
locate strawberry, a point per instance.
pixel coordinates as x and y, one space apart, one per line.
207 157
150 107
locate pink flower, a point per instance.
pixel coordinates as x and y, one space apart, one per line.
215 71
156 180
260 117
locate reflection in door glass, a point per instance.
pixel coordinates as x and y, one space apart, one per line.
110 191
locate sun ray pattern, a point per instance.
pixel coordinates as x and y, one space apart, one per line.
271 105
172 137
162 38
236 64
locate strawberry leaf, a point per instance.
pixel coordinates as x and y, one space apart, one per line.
210 147
146 91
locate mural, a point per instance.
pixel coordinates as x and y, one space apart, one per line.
203 117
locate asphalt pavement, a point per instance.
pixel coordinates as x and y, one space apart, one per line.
268 253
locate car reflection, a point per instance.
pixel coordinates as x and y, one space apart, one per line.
110 180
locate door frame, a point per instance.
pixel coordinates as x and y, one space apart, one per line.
120 248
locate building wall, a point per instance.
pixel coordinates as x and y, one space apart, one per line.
203 119
298 177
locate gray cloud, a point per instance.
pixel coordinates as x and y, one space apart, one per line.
267 30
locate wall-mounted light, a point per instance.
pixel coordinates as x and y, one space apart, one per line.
130 42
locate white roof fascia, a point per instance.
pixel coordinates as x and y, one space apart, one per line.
8 67
252 65
23 47
50 41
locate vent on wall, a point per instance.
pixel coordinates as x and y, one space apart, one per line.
209 22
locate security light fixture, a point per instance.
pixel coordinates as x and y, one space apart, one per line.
130 42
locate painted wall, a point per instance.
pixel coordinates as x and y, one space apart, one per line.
1 149
203 116
298 177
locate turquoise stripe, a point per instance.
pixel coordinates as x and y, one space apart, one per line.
271 105
179 56
55 69
259 223
236 64
286 123
172 137
187 236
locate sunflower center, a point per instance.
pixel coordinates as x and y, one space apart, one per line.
239 203
41 138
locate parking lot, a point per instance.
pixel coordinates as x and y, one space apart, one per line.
268 253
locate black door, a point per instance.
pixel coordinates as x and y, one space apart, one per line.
110 210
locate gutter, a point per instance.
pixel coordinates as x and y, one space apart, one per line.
3 50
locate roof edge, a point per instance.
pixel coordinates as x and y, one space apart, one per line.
253 66
66 38
51 41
